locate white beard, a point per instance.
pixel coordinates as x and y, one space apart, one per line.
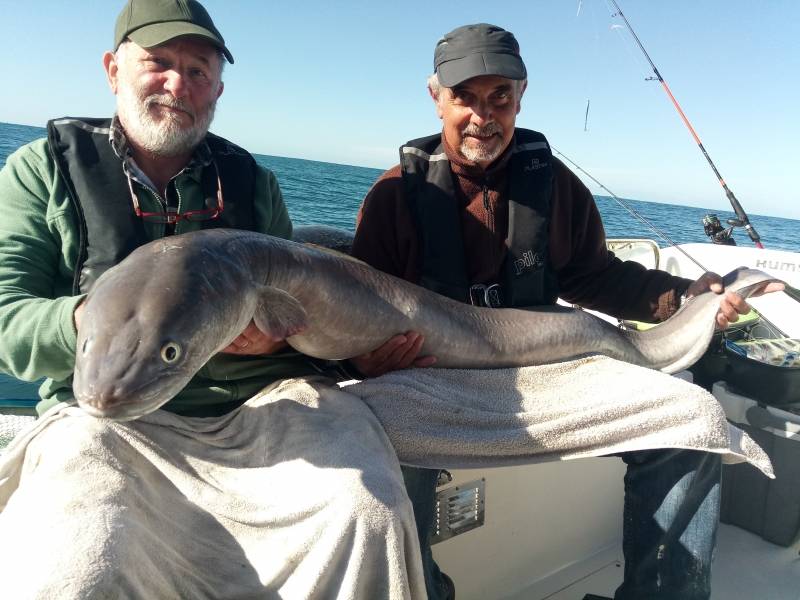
481 152
166 136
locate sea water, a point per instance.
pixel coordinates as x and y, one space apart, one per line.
330 194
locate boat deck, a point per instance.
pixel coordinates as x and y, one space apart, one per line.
745 568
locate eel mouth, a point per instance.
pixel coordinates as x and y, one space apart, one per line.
122 405
112 415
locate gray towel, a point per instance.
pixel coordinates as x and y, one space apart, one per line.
295 495
298 493
593 406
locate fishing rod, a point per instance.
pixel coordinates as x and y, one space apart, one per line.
743 220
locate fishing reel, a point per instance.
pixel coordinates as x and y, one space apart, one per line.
717 233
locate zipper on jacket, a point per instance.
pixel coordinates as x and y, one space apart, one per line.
171 200
490 221
487 207
159 202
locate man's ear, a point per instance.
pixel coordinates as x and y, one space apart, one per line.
112 68
221 88
435 99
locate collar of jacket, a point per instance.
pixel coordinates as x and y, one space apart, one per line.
472 170
201 157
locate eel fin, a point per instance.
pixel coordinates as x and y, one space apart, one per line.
279 315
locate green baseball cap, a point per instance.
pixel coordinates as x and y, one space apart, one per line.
152 22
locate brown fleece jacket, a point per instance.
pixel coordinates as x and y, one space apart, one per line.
588 274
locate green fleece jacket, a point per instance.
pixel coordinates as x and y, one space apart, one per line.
38 253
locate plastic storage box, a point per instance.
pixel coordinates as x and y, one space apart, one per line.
769 508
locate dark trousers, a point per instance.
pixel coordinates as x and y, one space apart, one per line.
421 488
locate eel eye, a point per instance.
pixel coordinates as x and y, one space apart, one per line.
170 352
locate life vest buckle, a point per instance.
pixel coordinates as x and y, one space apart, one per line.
488 296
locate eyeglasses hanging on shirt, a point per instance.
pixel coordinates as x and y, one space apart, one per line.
171 216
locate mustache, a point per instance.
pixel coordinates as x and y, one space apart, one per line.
169 101
485 131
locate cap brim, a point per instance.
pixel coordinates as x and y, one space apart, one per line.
453 72
160 33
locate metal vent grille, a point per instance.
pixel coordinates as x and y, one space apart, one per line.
459 509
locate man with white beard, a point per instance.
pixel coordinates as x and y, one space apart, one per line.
106 186
171 506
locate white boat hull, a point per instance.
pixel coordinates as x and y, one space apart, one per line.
546 526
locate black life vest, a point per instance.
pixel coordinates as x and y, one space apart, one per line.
98 189
526 277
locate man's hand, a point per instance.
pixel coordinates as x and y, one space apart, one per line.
253 341
399 352
732 304
77 315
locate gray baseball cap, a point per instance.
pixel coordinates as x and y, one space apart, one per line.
474 50
152 22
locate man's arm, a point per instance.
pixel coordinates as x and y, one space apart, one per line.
271 214
591 276
385 239
386 236
38 249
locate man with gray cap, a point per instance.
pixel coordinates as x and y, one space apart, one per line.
483 213
168 506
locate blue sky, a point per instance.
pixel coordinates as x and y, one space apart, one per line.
345 82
